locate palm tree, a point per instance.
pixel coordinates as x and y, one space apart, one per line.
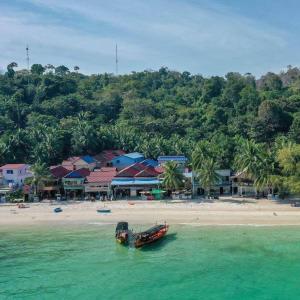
207 174
256 162
200 154
172 178
248 158
40 174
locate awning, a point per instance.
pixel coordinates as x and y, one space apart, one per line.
133 182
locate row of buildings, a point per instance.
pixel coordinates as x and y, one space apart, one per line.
114 173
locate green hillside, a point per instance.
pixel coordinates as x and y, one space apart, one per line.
50 113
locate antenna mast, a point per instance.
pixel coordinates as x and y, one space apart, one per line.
27 57
117 60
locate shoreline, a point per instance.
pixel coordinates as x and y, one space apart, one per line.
223 212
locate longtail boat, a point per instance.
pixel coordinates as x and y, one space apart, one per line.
151 235
125 236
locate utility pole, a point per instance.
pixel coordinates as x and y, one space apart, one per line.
117 60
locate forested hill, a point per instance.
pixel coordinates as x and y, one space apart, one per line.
50 113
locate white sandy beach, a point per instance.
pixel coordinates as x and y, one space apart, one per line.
222 212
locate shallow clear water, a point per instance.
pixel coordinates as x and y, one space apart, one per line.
190 263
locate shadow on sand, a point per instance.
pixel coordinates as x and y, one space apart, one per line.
158 245
238 201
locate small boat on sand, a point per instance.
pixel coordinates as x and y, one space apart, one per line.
57 210
22 205
104 210
125 236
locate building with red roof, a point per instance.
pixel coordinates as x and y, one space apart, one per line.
53 185
79 162
99 181
135 179
104 159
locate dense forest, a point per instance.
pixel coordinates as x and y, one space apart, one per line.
49 113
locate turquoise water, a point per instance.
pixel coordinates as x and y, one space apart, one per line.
190 263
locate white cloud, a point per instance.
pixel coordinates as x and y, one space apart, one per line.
149 34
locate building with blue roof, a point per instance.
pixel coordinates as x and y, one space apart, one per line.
73 182
181 160
125 160
150 162
88 159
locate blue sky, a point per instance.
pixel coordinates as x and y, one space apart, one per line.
209 37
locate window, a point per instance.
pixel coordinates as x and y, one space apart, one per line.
9 172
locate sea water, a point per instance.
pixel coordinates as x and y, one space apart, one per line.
189 263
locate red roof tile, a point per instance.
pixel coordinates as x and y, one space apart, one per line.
107 155
13 166
83 172
159 169
138 170
104 175
147 172
59 171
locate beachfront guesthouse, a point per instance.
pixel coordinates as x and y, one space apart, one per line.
221 187
98 182
133 180
14 175
73 183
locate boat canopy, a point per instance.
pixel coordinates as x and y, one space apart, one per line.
122 226
152 230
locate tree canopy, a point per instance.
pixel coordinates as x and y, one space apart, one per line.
49 113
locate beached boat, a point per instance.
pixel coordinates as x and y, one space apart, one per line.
22 205
151 235
57 210
104 210
122 233
125 236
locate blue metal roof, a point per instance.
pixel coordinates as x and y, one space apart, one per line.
150 162
74 174
130 181
88 159
172 157
134 155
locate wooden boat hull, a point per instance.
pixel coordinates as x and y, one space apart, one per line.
143 238
103 211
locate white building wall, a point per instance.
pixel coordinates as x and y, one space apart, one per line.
16 176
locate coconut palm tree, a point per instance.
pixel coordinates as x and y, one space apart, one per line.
207 174
40 174
172 177
256 162
248 158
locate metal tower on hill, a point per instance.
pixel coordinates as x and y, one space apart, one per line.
117 60
27 57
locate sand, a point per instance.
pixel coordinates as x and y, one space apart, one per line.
226 211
